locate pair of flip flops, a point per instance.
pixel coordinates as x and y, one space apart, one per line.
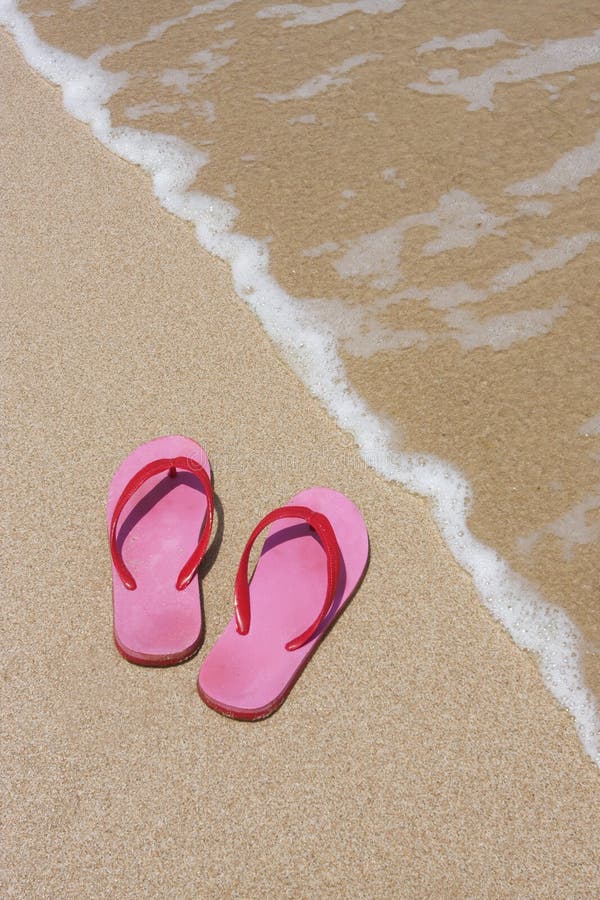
160 514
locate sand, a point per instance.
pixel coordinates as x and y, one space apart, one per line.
501 388
419 755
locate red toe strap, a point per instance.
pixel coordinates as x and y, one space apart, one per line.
324 530
133 485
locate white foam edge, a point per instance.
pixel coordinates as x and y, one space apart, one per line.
309 346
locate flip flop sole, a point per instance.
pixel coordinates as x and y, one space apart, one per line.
249 676
156 624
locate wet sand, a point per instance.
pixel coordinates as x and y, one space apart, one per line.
419 754
502 385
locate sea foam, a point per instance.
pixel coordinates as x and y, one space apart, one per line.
318 84
479 40
296 14
567 173
310 344
550 58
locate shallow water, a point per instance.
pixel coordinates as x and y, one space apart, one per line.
421 187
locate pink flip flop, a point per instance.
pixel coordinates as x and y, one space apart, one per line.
317 546
159 513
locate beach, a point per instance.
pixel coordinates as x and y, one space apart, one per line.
420 754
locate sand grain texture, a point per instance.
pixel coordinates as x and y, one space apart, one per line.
419 755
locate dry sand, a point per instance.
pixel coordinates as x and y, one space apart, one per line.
419 755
